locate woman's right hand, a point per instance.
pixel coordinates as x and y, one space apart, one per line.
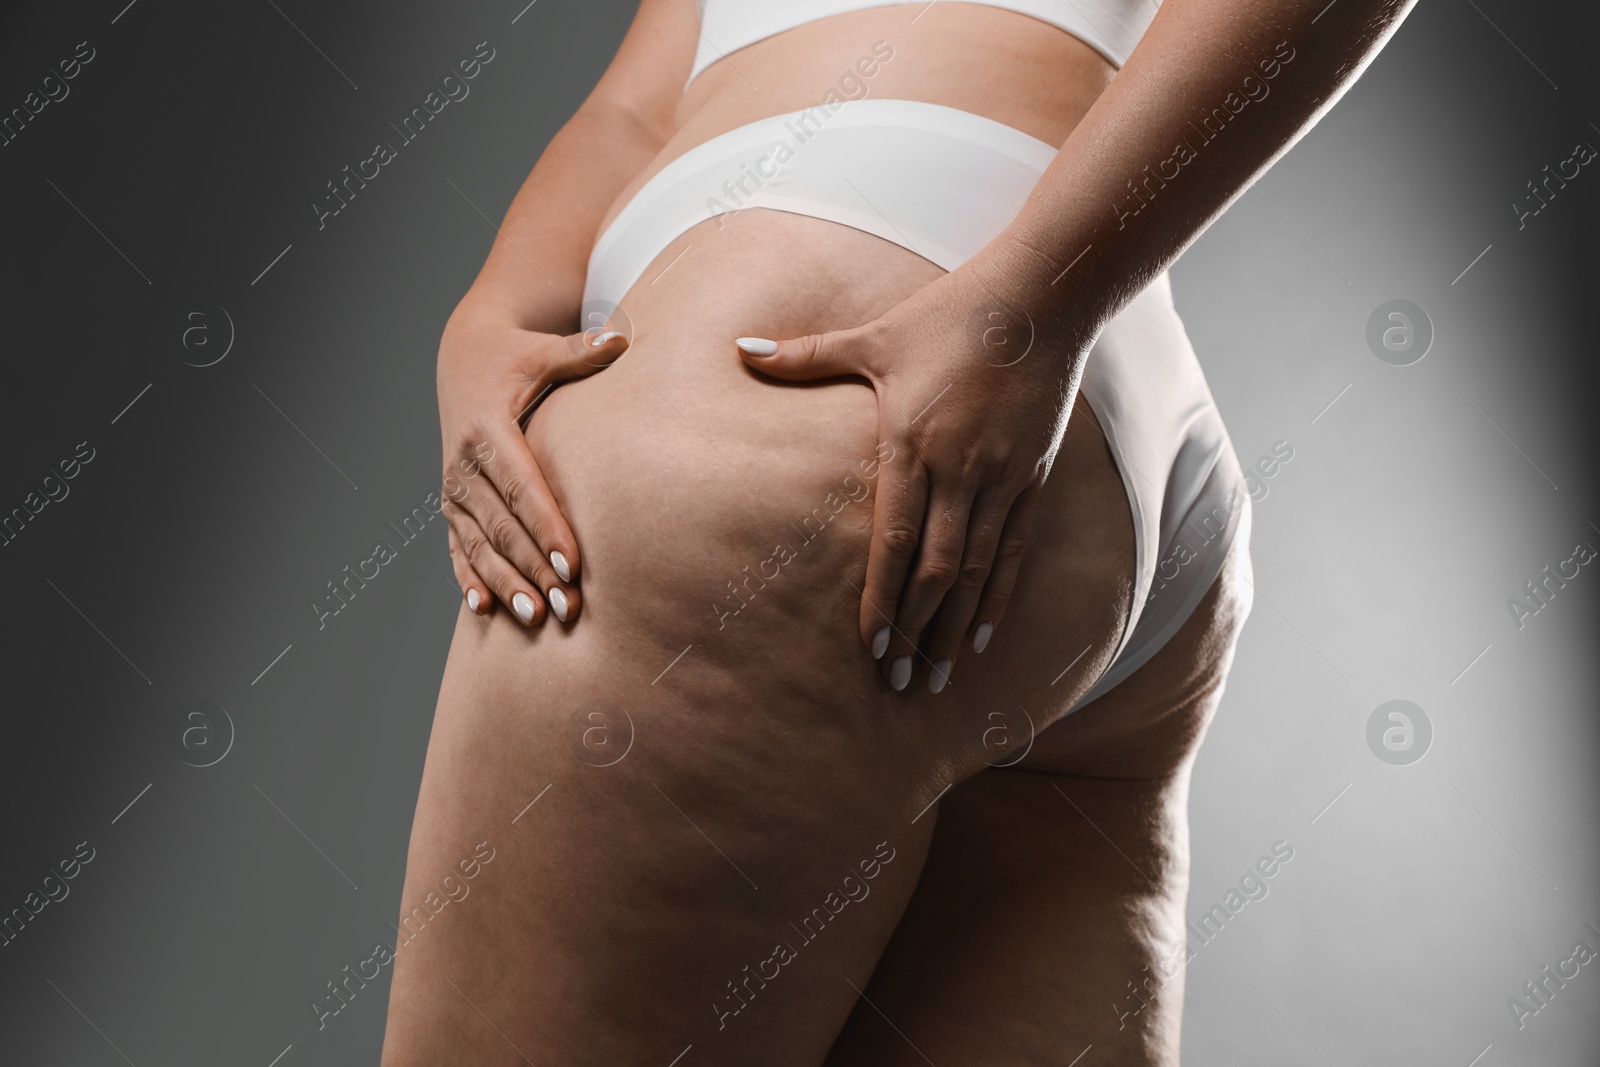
508 539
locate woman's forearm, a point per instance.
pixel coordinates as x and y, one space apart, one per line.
1215 92
536 267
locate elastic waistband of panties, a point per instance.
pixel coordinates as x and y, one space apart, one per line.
936 180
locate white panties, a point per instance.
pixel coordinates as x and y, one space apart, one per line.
943 183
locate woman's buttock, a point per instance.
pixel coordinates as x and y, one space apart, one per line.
730 514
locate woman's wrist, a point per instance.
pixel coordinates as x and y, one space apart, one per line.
1033 295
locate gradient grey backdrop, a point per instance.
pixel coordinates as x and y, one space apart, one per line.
181 564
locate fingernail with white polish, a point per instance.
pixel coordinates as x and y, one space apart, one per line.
900 673
980 640
940 675
472 601
603 338
522 604
559 562
880 643
558 604
757 346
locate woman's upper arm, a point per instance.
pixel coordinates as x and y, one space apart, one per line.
648 73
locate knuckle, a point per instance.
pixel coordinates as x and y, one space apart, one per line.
937 571
898 539
974 573
514 491
995 602
1011 550
501 530
475 548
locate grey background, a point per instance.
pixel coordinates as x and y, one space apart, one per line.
182 562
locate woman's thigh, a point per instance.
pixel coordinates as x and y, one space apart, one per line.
729 807
1049 917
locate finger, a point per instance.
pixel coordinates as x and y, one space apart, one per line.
1007 563
897 512
821 355
512 589
473 588
932 575
521 487
585 353
943 636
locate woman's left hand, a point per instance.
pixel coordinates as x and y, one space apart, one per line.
975 407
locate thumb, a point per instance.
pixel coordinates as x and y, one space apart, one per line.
821 355
581 354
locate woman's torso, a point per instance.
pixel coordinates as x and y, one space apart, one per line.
1002 65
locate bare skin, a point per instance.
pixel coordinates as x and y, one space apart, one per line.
608 925
960 912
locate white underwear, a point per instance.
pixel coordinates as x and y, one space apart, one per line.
943 183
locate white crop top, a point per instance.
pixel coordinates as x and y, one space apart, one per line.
1110 27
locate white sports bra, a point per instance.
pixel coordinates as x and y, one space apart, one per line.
1110 27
